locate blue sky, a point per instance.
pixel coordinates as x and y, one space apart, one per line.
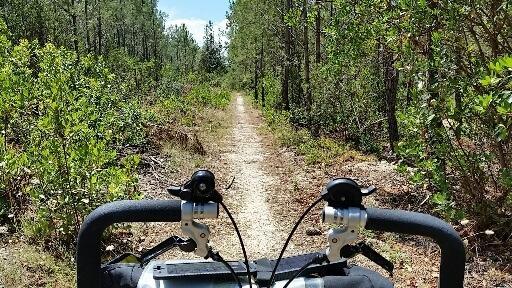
195 14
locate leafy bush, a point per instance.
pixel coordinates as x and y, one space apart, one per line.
184 107
63 121
135 78
314 149
272 91
205 95
472 150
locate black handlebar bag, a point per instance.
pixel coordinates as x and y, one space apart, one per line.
127 276
358 277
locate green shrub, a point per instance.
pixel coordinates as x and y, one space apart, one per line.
63 122
471 149
183 108
134 77
314 149
207 96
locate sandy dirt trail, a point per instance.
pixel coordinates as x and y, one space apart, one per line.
252 187
242 154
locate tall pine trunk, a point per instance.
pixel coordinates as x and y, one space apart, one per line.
100 29
285 90
306 61
75 28
318 37
262 75
256 62
86 27
391 89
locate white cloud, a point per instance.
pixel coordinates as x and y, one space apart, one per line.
196 27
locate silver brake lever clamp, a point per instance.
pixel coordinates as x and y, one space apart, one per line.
350 219
199 232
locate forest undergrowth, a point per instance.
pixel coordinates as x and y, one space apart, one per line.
78 118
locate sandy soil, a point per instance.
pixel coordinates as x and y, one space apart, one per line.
241 154
252 188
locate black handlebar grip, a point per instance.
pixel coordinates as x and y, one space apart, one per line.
88 254
453 255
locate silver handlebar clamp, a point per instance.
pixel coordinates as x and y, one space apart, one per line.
350 219
197 231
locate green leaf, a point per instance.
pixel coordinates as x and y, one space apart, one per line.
501 132
489 80
506 178
417 178
506 61
483 102
430 118
401 168
496 67
440 199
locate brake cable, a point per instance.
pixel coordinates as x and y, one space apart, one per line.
274 270
215 256
319 259
246 260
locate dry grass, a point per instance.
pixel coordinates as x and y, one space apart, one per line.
22 265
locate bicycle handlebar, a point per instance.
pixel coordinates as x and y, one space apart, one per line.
453 255
396 221
88 255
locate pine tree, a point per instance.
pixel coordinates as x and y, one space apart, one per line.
211 59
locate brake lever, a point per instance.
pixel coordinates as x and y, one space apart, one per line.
199 189
174 191
349 251
185 245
